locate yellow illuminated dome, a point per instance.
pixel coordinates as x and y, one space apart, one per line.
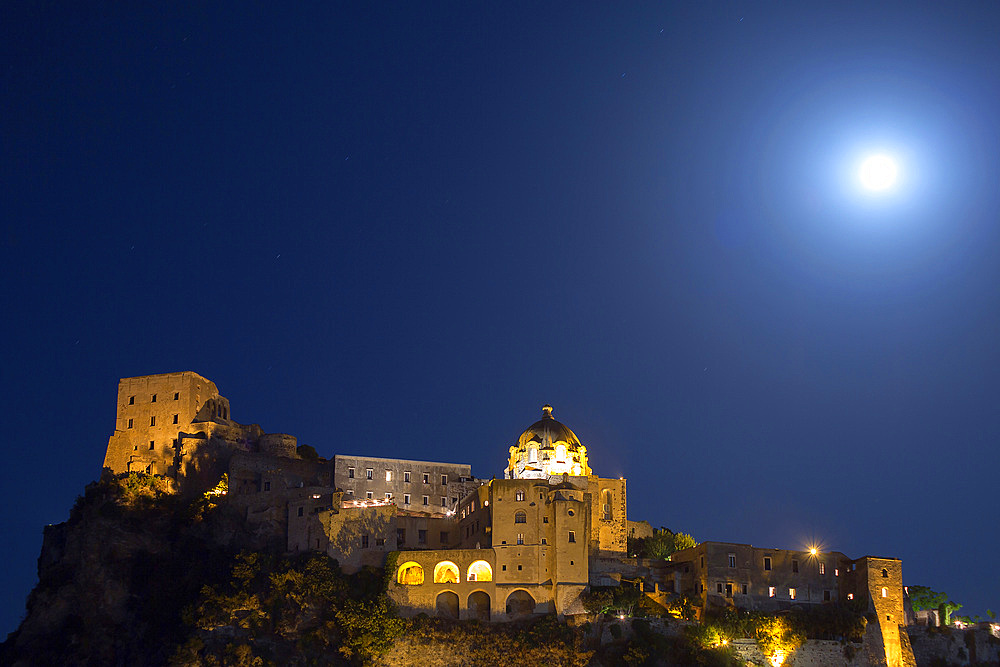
547 448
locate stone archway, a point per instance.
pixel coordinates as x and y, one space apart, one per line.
479 606
447 605
520 603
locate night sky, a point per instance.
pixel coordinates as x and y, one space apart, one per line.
399 229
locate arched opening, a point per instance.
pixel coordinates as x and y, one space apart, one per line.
520 603
446 572
885 592
410 574
520 517
560 453
885 572
479 606
480 571
447 605
606 504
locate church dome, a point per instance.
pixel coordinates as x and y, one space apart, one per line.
547 448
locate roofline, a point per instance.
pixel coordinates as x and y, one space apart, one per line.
383 458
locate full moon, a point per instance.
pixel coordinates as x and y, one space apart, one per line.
878 172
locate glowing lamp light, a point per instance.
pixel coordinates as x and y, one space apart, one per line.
878 172
813 551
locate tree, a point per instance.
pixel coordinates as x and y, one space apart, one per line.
922 598
665 542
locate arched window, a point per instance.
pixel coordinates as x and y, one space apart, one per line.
560 453
606 502
520 517
885 592
885 573
410 574
480 571
519 495
446 572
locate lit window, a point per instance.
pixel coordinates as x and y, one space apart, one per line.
560 453
350 473
519 495
369 495
520 538
388 496
388 475
732 560
767 562
770 591
572 536
153 399
369 473
152 420
426 500
791 593
427 478
850 596
836 571
885 592
822 568
520 517
406 499
406 476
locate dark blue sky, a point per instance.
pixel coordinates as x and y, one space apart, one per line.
399 229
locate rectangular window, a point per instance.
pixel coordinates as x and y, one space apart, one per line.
718 587
176 417
836 571
444 480
795 566
732 560
300 511
520 540
388 475
743 589
388 496
545 519
153 399
400 535
406 476
380 541
267 486
177 395
444 537
421 537
703 562
350 473
518 567
364 541
519 495
572 536
767 562
850 596
152 420
444 501
151 444
454 500
504 567
427 478
791 593
130 423
822 568
131 400
826 596
369 495
426 500
770 591
406 499
544 541
729 590
369 473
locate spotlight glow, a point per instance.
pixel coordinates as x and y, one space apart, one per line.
878 172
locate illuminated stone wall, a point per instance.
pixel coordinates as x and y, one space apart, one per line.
447 481
879 583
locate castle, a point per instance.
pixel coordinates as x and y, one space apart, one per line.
531 542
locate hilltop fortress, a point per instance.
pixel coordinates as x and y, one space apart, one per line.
531 542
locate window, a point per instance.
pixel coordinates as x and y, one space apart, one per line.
770 591
702 562
350 492
426 499
444 501
836 571
131 400
822 568
718 588
177 395
520 539
732 560
606 500
795 566
454 500
130 423
519 496
380 541
544 541
152 420
519 567
791 593
532 455
826 596
545 519
400 535
444 537
350 473
729 590
300 511
406 476
427 478
388 496
885 592
176 417
504 568
560 453
369 495
388 475
767 562
153 399
267 486
885 573
444 480
406 499
421 537
743 589
520 517
572 536
151 444
364 541
850 596
369 473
